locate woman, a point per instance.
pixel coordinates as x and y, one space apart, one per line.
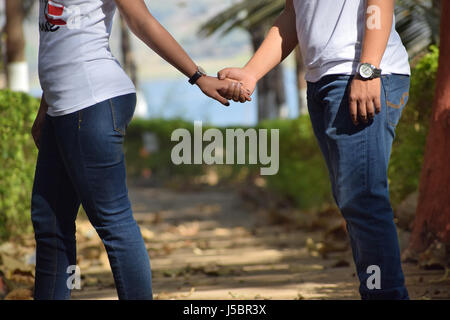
87 104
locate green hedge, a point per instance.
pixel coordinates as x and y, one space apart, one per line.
302 176
159 163
17 161
412 130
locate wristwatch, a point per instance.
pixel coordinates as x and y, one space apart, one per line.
197 75
368 71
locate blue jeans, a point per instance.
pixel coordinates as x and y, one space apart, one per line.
81 160
357 158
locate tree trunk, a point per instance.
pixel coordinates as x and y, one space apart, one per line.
432 221
17 68
271 93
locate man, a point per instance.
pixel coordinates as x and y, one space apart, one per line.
358 82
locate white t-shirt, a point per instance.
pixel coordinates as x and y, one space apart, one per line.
330 34
76 66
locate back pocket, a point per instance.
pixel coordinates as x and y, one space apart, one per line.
396 97
122 110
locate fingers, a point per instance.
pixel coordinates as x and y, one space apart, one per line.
370 109
362 111
228 90
233 90
246 95
223 74
242 96
221 99
353 105
377 103
236 91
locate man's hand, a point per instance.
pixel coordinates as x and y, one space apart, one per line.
364 99
244 77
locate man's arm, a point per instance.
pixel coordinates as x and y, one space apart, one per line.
278 44
365 94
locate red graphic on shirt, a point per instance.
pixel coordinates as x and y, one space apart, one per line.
56 13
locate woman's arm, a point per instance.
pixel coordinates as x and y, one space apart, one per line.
152 33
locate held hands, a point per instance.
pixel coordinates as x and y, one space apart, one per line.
241 75
364 95
219 89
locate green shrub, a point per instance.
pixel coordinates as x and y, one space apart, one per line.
412 130
159 162
17 161
303 176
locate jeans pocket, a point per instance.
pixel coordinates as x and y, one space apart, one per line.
397 95
122 110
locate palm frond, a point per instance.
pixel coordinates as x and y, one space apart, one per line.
418 24
245 14
417 20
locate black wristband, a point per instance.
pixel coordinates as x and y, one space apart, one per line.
197 75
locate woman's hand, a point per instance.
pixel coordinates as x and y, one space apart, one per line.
217 89
37 127
39 122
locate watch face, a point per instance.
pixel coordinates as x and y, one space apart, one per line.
201 70
365 70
